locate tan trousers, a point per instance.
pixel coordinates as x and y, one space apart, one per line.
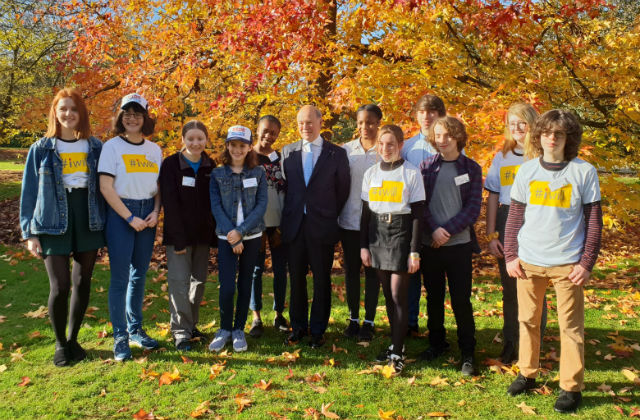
531 292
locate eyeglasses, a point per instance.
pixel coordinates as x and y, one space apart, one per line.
520 125
556 133
132 116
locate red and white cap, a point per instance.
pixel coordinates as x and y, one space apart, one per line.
239 132
134 98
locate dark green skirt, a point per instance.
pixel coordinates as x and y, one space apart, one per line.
78 237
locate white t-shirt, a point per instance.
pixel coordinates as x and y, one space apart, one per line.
75 172
135 167
392 191
553 229
501 174
359 161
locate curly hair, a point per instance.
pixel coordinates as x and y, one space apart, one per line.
454 127
558 119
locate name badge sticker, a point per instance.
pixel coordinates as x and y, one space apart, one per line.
461 179
188 181
557 183
273 156
249 182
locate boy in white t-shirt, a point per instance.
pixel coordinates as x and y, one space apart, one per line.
553 233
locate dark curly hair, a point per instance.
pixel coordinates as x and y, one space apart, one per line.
454 127
558 119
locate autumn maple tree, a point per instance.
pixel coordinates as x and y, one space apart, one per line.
228 62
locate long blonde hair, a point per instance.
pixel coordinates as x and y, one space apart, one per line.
527 113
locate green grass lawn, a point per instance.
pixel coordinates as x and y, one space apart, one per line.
12 165
100 388
9 189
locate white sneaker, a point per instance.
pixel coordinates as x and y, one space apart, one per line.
220 340
239 342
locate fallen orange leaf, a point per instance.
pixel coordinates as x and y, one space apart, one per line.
242 401
328 414
185 359
438 414
25 381
143 415
167 378
526 409
263 385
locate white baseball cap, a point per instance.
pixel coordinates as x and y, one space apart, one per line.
134 98
239 132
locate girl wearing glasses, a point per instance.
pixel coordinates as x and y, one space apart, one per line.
515 150
129 168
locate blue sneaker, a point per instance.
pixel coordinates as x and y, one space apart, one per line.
220 340
140 338
239 341
121 350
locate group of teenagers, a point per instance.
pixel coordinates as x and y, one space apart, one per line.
403 209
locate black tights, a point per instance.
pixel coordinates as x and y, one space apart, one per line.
60 281
395 287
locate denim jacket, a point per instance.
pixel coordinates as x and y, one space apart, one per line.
226 189
43 201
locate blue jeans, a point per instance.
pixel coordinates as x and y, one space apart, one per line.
230 264
279 266
129 257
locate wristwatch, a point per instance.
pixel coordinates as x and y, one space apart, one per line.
414 255
130 218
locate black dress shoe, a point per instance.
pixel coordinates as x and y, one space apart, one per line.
294 337
316 341
568 401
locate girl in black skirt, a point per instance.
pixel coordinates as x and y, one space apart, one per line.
392 200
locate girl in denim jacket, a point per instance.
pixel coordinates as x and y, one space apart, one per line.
62 215
238 191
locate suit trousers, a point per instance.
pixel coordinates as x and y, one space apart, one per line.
305 252
531 291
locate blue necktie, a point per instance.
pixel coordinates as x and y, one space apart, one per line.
308 165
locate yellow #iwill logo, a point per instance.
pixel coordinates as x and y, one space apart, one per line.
543 196
508 174
74 162
139 163
391 192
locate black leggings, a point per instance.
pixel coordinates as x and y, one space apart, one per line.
60 281
395 287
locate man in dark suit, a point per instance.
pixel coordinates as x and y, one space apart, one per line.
318 181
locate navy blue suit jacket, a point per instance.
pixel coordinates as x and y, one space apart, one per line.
324 197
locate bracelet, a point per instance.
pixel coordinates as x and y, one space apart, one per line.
490 237
414 256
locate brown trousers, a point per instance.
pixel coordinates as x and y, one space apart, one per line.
531 292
